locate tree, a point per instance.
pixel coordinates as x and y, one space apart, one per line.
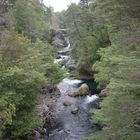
84 3
25 58
31 19
87 34
118 72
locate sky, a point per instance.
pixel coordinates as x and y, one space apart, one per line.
59 5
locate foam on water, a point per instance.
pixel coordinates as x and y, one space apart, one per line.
66 49
90 99
72 82
63 58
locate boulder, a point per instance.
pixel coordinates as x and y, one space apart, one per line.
61 132
74 94
67 103
51 135
75 110
42 131
83 89
104 93
37 135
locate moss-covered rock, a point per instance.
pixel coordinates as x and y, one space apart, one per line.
74 94
83 89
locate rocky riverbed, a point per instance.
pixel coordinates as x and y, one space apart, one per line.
67 117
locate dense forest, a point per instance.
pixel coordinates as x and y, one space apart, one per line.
106 44
105 40
26 64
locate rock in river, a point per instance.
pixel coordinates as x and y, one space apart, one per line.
82 91
75 110
74 94
67 103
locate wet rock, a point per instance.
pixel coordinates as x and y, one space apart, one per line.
37 135
58 57
61 132
75 110
84 89
104 93
74 94
42 131
51 135
67 103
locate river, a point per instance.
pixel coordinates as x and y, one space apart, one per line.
73 126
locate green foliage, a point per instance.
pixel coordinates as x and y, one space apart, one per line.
26 65
87 36
32 19
13 45
54 74
105 68
118 71
120 110
25 125
26 62
7 110
118 114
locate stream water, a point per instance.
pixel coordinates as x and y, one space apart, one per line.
73 126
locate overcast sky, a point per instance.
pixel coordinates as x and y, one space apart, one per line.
59 5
